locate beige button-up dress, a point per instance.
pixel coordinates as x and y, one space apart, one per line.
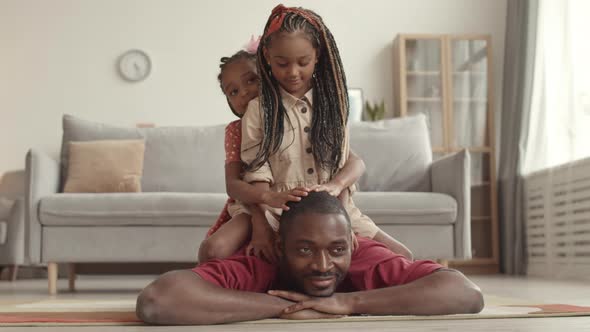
294 165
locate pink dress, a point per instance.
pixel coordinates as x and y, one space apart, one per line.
233 142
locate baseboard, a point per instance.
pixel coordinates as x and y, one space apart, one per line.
130 268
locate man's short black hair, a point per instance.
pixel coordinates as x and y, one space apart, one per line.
315 202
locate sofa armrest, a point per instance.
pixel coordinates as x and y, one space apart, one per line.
42 176
12 251
451 175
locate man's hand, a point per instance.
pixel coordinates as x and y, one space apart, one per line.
262 244
337 304
308 314
279 200
332 188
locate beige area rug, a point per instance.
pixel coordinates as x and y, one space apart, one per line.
122 312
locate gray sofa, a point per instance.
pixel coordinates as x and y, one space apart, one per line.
424 204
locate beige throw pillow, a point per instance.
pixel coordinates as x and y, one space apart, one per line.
105 166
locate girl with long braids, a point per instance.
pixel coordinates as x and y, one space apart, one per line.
295 135
238 80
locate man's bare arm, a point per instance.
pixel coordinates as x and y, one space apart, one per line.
440 293
184 298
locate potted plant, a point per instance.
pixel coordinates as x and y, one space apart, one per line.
375 111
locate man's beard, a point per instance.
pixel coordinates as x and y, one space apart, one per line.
336 275
291 282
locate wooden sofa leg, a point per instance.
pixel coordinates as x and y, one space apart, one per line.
12 272
52 278
72 277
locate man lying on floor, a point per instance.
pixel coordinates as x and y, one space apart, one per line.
318 276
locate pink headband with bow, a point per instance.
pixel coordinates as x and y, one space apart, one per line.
252 46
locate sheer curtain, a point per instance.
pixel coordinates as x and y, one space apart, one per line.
559 127
545 123
556 164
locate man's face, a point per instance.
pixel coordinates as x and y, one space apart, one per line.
316 253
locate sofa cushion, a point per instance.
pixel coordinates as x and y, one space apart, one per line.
126 209
177 159
2 232
407 208
396 152
105 166
185 159
200 209
77 130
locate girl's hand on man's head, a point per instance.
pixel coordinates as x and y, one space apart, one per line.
331 188
279 200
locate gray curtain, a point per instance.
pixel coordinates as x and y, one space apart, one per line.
519 59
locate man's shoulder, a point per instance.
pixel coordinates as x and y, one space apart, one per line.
239 272
374 265
371 252
365 242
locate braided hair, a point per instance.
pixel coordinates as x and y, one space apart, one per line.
225 61
330 97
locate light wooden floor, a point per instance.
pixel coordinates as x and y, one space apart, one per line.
539 290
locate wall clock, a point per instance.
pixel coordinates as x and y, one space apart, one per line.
134 65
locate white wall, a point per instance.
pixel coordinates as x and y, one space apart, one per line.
59 56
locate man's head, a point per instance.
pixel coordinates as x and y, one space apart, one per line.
315 244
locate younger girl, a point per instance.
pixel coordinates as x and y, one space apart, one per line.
295 135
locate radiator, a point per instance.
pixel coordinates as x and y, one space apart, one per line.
557 214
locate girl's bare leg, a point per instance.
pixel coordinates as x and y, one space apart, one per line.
227 239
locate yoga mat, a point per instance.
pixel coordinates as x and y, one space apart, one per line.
68 312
